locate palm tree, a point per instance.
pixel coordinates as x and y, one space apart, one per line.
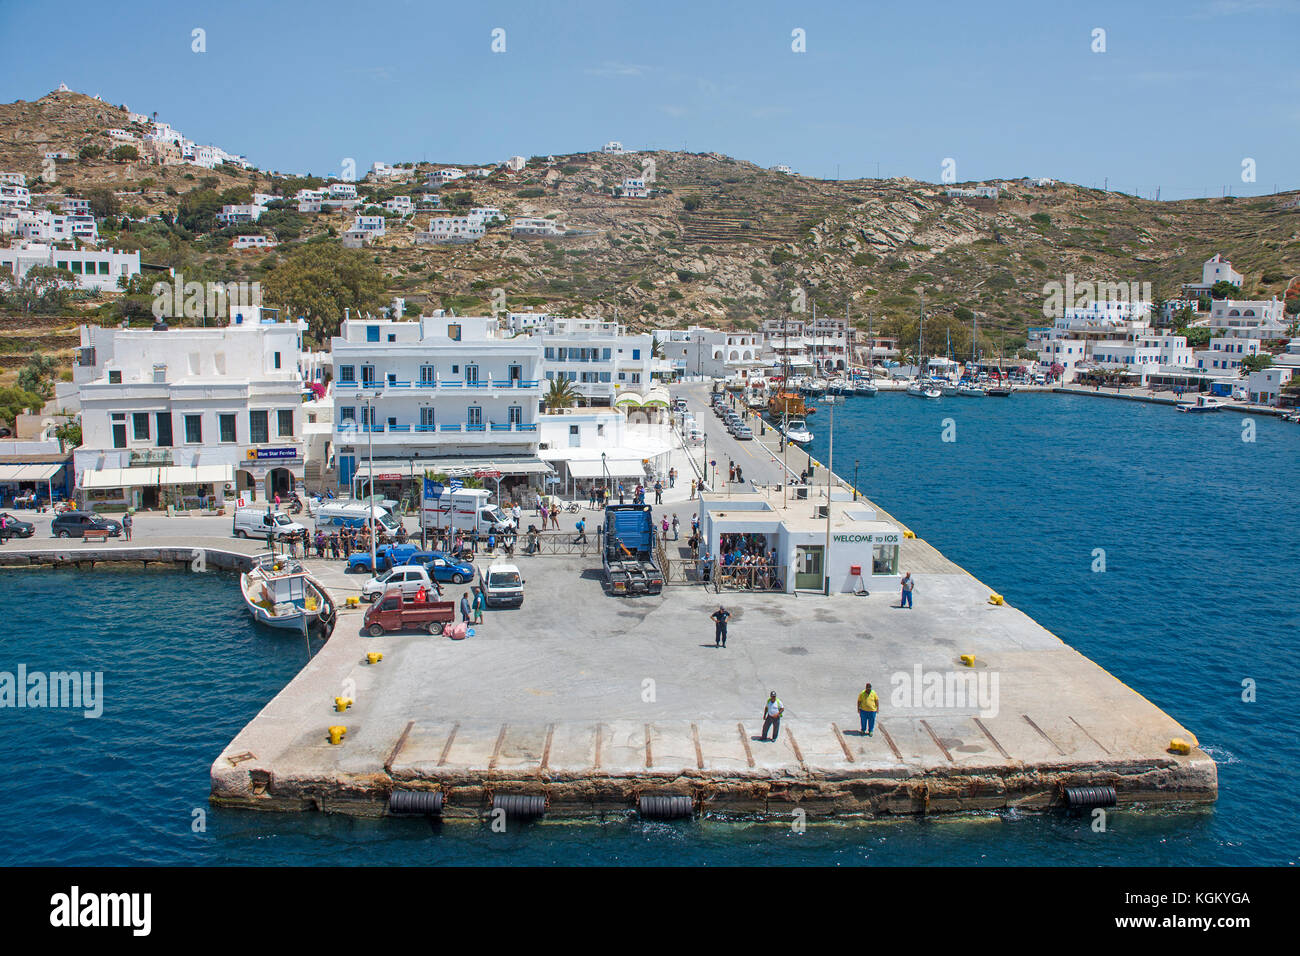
561 394
656 348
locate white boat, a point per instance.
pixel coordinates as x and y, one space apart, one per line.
947 389
864 387
279 593
1203 403
796 430
923 390
970 391
815 386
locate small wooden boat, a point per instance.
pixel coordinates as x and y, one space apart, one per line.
280 593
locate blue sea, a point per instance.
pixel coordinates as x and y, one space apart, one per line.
1201 544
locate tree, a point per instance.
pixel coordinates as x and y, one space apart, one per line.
1256 363
69 435
1223 289
14 401
692 203
42 290
561 394
124 154
36 375
318 281
91 151
103 203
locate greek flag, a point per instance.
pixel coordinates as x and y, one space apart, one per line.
455 484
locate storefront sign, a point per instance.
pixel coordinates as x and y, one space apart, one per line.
885 538
487 474
255 454
388 477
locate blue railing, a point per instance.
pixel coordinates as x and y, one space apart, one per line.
526 426
449 428
426 428
501 428
472 427
478 383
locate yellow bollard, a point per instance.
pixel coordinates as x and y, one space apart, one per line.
1179 746
968 660
342 703
336 734
353 601
374 657
996 599
909 534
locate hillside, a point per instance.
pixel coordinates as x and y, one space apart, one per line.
724 242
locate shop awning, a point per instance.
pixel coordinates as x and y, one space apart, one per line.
42 472
615 468
198 475
457 467
149 477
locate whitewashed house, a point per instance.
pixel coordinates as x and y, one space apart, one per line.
532 227
92 269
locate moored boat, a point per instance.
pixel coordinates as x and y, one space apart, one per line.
796 430
279 593
1203 403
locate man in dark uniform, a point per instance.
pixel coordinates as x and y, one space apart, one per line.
720 626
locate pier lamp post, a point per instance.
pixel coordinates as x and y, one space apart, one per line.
706 456
830 400
368 398
855 479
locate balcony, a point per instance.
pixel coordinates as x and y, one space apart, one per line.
437 383
405 431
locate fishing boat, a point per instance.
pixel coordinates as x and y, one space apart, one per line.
796 430
280 593
1203 403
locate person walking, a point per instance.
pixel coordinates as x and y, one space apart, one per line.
772 711
675 527
582 532
127 523
664 525
692 489
659 492
868 706
720 626
480 601
672 477
908 585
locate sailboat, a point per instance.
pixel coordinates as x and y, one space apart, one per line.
867 386
917 387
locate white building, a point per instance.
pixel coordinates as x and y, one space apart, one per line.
447 175
516 163
45 226
232 214
97 269
1215 269
451 229
342 191
1265 386
973 192
382 171
120 135
782 168
485 214
15 196
450 394
374 225
600 359
632 188
613 147
400 206
701 351
169 416
252 242
532 226
1260 318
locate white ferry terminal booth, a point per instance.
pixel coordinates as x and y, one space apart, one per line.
864 550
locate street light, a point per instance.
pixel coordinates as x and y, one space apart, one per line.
706 456
830 400
370 466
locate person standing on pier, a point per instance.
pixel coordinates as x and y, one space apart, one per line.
908 584
676 536
868 706
127 522
772 711
720 626
464 608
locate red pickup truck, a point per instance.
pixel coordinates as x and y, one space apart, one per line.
392 613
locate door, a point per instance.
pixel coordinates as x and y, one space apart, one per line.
808 567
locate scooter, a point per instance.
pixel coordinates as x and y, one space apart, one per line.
295 506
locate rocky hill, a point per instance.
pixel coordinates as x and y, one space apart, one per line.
721 241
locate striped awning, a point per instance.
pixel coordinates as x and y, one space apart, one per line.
42 472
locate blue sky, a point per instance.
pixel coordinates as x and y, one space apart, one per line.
1005 89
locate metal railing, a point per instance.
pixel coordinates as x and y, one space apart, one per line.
748 577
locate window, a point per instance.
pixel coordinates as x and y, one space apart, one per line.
114 377
426 420
471 374
426 375
276 356
103 268
164 420
347 374
193 429
515 414
475 415
140 426
367 376
372 333
348 413
226 427
453 332
284 422
119 429
258 427
636 354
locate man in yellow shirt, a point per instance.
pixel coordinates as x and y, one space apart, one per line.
868 705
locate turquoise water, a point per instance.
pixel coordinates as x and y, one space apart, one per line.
1200 534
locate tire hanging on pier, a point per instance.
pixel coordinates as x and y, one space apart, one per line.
520 806
1079 797
425 802
665 806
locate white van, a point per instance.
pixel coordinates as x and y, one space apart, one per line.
503 585
354 514
467 509
263 523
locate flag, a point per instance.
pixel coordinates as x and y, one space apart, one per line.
456 484
432 489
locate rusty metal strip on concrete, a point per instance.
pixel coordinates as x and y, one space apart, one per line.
744 740
1042 734
699 754
397 747
237 759
794 744
937 742
599 740
890 740
1091 737
546 751
844 744
446 748
649 754
993 740
496 749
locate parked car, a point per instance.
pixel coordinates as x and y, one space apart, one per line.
75 524
263 523
443 567
14 528
743 432
395 613
386 556
503 585
408 578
